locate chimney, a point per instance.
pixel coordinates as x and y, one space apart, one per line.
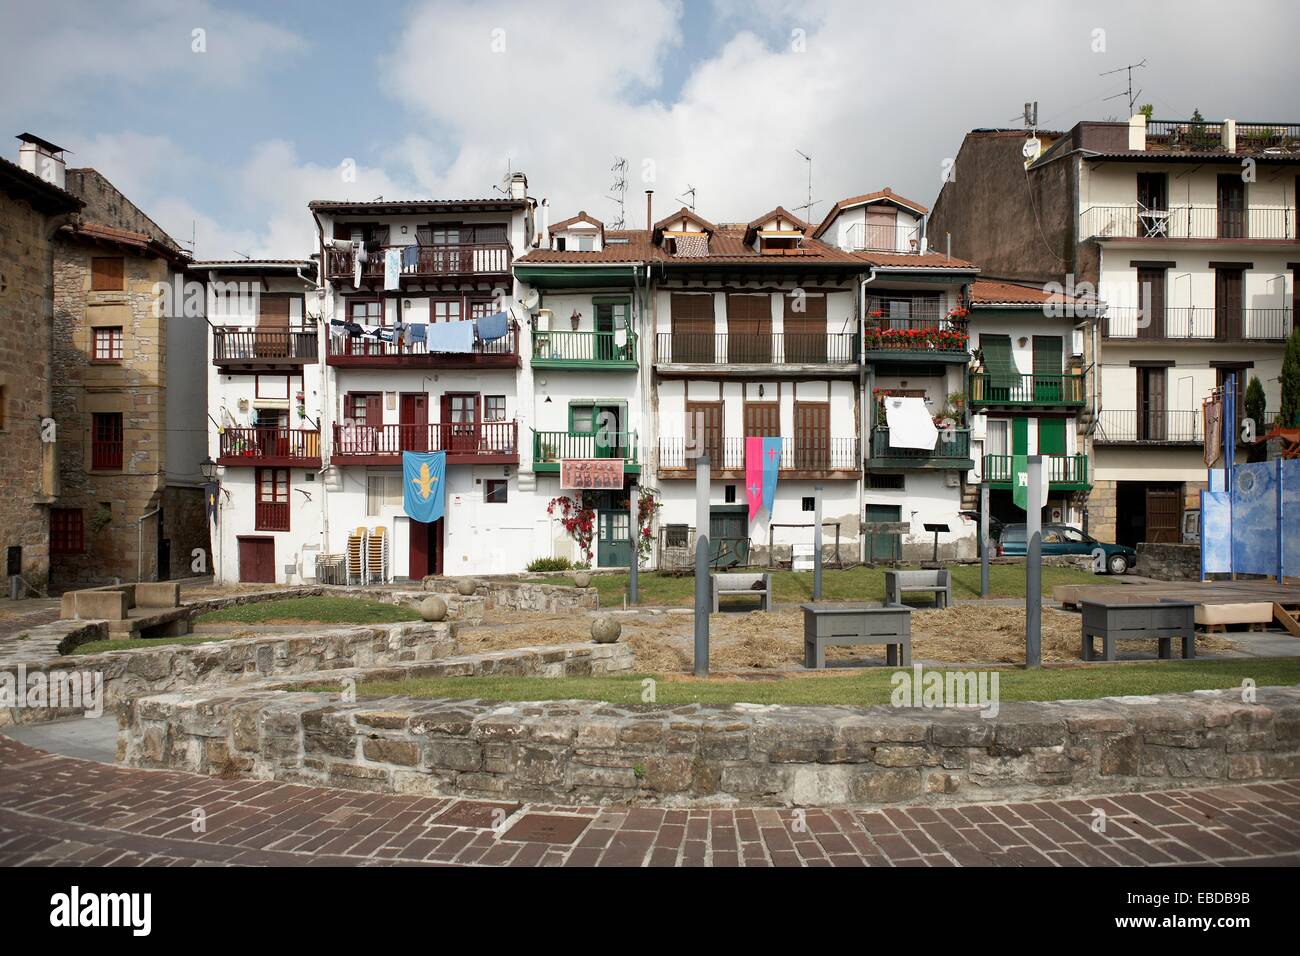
544 225
649 215
1137 132
518 186
42 158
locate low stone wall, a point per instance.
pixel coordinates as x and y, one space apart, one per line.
572 751
1169 562
521 596
459 607
132 673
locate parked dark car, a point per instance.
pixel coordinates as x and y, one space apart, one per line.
995 525
1065 539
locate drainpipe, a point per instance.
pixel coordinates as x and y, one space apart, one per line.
326 395
866 376
139 543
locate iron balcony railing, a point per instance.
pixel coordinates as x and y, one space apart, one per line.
479 258
457 439
953 443
779 348
1132 221
230 344
551 447
1167 427
1061 469
1203 136
805 453
1033 388
584 347
261 442
405 349
914 335
1225 323
883 237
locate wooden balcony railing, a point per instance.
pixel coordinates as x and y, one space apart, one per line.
271 516
260 445
1034 388
106 454
480 258
406 350
237 346
810 452
780 348
584 348
1062 470
550 447
489 442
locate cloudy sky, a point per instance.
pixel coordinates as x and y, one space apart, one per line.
222 119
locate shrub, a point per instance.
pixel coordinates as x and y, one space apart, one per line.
549 564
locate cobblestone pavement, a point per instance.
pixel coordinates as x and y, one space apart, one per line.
57 810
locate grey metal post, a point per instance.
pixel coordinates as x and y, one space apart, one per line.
703 587
634 533
817 543
1034 565
984 539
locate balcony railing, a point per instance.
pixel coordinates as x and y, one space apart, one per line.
236 346
1062 470
1202 136
1222 323
373 352
883 237
1168 427
579 349
952 446
489 442
271 516
1034 388
806 453
916 335
551 447
269 446
106 454
481 258
1131 221
780 348
905 311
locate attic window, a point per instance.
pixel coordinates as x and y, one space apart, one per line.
778 245
619 241
585 243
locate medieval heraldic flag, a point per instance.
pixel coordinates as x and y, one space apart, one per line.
423 485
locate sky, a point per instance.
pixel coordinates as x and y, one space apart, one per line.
223 119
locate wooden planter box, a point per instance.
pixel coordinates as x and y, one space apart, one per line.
848 623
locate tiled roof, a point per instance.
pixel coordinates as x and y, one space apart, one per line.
580 217
778 213
689 214
905 260
726 246
406 206
989 293
637 248
46 196
886 194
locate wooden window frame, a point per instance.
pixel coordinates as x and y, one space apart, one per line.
493 485
107 279
276 498
67 536
366 300
101 457
487 400
114 349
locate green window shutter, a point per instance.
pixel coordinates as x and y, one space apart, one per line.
1051 436
1047 354
999 362
1020 436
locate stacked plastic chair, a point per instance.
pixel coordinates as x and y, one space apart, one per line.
377 556
356 556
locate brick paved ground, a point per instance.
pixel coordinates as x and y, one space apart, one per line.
60 810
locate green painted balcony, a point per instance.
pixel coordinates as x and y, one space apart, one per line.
1064 472
951 451
549 448
611 351
1032 390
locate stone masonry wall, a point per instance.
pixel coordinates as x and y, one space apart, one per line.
1169 562
1101 510
521 596
574 751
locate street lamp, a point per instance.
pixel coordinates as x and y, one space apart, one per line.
208 468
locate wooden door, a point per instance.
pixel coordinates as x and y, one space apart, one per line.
1151 405
693 338
812 436
728 536
613 539
1051 436
881 229
460 422
608 423
1151 290
256 560
425 549
762 419
1232 206
882 546
804 337
1164 515
413 416
704 426
272 339
1229 297
749 328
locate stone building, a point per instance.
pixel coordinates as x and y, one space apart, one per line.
31 211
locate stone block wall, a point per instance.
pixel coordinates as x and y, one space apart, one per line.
1169 562
521 596
1101 510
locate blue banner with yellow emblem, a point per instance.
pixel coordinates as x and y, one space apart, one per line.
423 476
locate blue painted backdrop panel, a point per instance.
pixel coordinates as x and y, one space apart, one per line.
1216 532
1254 518
1291 517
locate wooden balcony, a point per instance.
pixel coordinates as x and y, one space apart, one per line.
951 451
271 516
466 443
241 349
261 447
1032 390
551 447
585 350
713 354
364 351
1064 472
425 262
809 457
929 339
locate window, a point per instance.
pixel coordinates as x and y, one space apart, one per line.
494 408
878 482
107 274
812 435
809 504
582 420
481 308
272 510
585 243
366 311
444 310
108 344
729 494
382 492
106 441
676 536
559 244
495 490
997 440
67 533
363 408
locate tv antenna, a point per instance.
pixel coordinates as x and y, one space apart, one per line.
689 203
619 188
504 185
1132 97
808 206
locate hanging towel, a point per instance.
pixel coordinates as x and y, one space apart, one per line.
358 260
910 423
392 268
415 333
410 258
493 327
450 337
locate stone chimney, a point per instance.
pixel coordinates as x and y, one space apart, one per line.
1137 131
518 186
42 158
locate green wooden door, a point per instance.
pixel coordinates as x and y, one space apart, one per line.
884 547
1020 436
728 535
1048 387
1051 436
613 547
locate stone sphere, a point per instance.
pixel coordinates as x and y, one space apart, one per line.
605 630
433 608
582 579
466 586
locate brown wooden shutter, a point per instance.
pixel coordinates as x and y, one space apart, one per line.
749 327
1154 280
762 420
107 274
812 435
805 332
692 325
709 415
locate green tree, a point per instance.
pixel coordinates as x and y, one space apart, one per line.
1146 109
1291 381
1254 402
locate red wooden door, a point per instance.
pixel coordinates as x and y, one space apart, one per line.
257 560
460 422
425 552
414 418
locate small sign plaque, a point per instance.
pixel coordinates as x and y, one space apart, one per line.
591 474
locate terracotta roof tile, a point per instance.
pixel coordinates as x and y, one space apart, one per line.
989 293
580 217
885 193
906 260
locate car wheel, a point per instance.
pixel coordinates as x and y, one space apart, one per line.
1117 564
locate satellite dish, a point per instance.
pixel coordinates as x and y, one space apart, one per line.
1032 149
531 299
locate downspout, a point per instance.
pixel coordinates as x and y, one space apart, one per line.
326 398
865 379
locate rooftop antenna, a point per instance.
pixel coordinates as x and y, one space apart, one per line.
690 203
808 206
619 189
1132 97
244 254
504 185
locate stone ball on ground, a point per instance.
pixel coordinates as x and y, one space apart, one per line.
433 608
605 629
466 586
582 579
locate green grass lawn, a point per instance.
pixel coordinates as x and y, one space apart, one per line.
312 610
136 643
851 584
864 688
